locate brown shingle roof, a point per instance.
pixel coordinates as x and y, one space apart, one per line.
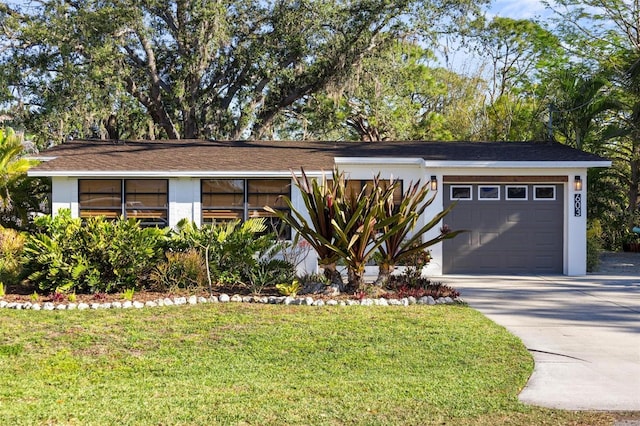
269 156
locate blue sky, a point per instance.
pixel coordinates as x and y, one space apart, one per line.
518 9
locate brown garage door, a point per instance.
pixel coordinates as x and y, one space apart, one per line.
514 229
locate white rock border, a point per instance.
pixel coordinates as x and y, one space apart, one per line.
225 298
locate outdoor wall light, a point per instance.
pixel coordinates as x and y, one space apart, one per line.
434 183
577 183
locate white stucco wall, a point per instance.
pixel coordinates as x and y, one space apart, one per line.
64 195
184 200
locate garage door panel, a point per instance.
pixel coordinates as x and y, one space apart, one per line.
505 236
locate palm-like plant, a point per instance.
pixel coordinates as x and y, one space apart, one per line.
399 224
358 226
320 201
12 166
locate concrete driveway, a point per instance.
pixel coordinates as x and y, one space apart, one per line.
583 333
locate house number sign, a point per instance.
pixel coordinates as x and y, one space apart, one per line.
577 205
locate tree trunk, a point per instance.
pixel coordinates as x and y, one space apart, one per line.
333 275
356 280
384 273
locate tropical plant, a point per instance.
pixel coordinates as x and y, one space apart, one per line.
316 226
229 249
402 241
289 289
12 165
358 225
11 246
182 269
94 255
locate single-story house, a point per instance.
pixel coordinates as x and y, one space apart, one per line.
524 203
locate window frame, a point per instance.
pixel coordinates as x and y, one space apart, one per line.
480 198
453 187
246 209
535 193
123 209
508 187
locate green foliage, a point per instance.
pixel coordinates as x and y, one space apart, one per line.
95 256
181 270
594 245
319 200
403 241
20 195
236 252
173 69
11 246
128 293
289 289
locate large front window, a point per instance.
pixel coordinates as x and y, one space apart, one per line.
230 199
144 199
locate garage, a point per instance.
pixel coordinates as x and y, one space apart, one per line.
514 227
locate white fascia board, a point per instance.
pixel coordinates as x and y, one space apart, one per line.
379 160
167 174
518 164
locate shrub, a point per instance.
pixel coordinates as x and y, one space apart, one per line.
181 270
232 250
96 256
11 246
594 245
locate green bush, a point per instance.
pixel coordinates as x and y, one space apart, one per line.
236 251
94 256
594 245
181 270
11 246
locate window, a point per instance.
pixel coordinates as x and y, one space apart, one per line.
224 200
460 192
142 199
354 186
488 192
544 192
516 192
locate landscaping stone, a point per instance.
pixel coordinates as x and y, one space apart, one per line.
224 298
180 301
288 300
448 300
332 302
168 302
236 298
61 307
127 304
82 306
150 304
431 300
366 302
394 302
383 302
138 305
247 299
48 306
440 301
35 307
202 299
214 299
412 300
106 305
116 305
72 306
404 301
192 300
318 302
308 300
3 303
351 302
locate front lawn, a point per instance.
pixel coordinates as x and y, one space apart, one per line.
265 364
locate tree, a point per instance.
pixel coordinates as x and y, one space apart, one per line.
605 36
12 166
224 70
517 51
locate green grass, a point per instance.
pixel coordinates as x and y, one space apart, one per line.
257 364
